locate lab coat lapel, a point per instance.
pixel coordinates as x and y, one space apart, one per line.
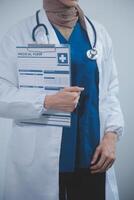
99 60
111 185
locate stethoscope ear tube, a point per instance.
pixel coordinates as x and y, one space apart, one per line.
36 28
94 31
33 33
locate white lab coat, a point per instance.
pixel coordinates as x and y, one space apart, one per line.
32 166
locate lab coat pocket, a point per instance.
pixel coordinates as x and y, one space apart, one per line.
22 145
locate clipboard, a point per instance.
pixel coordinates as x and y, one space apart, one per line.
45 68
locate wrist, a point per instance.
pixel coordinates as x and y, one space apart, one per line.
111 135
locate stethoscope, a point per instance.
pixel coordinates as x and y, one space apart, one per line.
40 31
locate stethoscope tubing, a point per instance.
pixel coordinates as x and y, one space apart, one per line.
92 53
94 31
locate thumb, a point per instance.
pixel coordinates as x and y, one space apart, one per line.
74 89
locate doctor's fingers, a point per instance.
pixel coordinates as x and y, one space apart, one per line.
68 97
73 89
68 108
96 155
99 164
102 169
75 96
106 166
108 163
77 101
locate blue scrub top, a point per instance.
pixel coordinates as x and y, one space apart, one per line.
81 139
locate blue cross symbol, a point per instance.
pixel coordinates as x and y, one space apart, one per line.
62 58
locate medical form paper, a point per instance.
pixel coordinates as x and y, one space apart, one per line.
45 68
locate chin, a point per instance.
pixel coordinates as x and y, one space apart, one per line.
69 3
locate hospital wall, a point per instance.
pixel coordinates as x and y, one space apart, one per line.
117 16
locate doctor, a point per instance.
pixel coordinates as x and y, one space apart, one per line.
55 163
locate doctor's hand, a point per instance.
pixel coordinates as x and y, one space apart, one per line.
104 155
66 100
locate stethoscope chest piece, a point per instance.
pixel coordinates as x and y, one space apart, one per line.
92 54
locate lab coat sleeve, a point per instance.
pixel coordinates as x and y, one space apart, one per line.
16 103
114 120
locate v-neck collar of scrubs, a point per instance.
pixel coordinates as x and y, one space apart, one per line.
60 35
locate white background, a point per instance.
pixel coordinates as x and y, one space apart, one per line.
117 16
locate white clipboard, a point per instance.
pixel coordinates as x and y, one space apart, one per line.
45 68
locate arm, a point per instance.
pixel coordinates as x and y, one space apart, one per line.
20 104
114 122
105 153
15 103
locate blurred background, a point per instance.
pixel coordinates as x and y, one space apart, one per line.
117 16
